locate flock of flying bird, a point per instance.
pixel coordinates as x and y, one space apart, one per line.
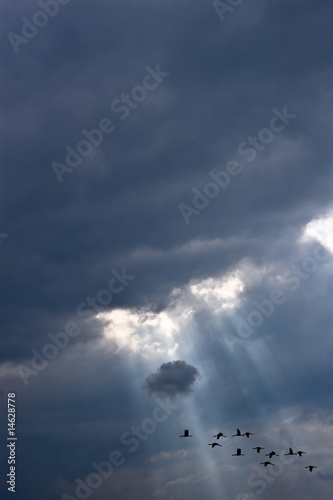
257 448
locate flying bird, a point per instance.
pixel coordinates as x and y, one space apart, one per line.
220 434
214 444
266 463
247 434
290 452
238 433
258 448
310 467
186 434
239 453
300 453
271 454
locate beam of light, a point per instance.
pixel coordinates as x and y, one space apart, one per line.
154 335
148 338
179 332
187 329
205 456
174 333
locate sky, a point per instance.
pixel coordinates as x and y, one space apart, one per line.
166 249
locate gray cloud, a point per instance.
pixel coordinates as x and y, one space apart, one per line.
325 476
175 378
119 208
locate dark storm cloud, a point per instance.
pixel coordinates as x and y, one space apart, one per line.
155 157
175 378
119 207
142 178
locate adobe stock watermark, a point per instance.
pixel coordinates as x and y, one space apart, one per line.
60 341
267 475
40 19
122 107
248 148
264 309
132 439
221 8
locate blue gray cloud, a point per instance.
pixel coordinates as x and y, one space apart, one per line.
204 292
172 379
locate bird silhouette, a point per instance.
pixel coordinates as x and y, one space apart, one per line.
266 463
220 434
239 453
271 454
238 433
290 452
186 434
214 444
310 467
247 434
258 448
300 453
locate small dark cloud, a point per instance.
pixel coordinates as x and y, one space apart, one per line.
172 379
